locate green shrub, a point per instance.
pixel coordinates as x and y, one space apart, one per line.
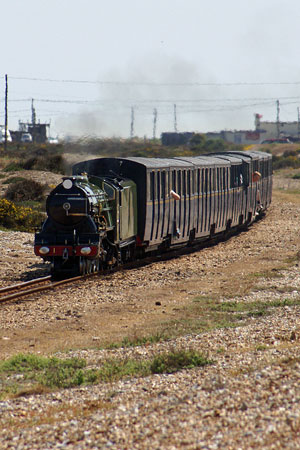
36 371
47 161
23 363
15 179
49 372
177 360
290 153
281 162
12 167
25 190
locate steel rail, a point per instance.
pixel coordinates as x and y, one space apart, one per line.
25 283
22 293
172 254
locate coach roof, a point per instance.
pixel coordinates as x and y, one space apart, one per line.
158 163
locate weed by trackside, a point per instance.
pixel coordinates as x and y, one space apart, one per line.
137 340
32 374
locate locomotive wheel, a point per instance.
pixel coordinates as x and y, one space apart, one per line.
96 265
89 266
82 266
86 266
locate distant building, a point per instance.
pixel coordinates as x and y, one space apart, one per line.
263 131
245 137
38 131
173 138
273 130
236 137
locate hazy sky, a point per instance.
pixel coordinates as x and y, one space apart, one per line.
86 63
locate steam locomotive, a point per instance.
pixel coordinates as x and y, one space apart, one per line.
112 210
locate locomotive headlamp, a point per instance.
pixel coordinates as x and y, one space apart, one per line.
44 250
85 251
67 184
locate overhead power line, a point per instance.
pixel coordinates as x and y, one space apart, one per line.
154 83
257 100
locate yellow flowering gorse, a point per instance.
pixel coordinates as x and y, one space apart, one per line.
18 217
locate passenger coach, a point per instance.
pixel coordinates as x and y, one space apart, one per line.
184 199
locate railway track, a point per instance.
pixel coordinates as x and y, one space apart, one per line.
20 290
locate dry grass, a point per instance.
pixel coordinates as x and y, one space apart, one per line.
53 414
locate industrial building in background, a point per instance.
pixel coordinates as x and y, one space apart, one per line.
31 131
264 132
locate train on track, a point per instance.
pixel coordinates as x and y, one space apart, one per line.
113 210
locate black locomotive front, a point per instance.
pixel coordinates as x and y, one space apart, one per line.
78 218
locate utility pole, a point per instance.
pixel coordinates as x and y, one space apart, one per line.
33 114
6 115
298 118
278 120
154 122
175 119
132 123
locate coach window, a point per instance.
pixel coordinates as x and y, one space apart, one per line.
168 183
198 182
158 186
240 178
193 181
206 181
245 173
152 186
163 184
174 180
221 179
233 180
184 183
179 182
189 182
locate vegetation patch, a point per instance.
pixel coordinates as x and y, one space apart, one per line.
56 412
288 159
14 179
30 374
210 313
19 218
268 274
12 167
46 161
255 308
177 360
25 190
136 340
27 374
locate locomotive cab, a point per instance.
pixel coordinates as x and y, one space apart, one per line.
122 194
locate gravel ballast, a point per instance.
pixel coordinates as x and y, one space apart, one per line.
249 397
